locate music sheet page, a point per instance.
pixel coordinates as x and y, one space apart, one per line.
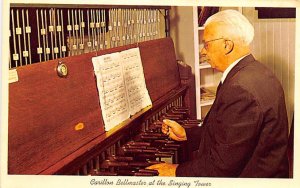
111 89
138 95
121 86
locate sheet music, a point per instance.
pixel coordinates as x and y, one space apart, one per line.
111 89
121 85
135 80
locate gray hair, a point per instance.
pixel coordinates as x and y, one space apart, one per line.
238 23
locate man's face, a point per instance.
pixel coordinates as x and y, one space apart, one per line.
213 50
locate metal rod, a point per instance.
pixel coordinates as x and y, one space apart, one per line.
143 25
51 32
25 52
154 25
167 23
76 28
158 24
58 29
43 33
19 32
97 28
63 48
105 32
146 24
100 30
69 28
134 19
39 49
126 26
92 25
48 51
74 47
109 27
129 26
151 25
28 31
138 20
116 28
119 26
15 55
126 31
133 23
9 51
104 28
123 26
83 26
81 32
128 36
54 30
89 37
114 25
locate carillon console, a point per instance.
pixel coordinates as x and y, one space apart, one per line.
56 125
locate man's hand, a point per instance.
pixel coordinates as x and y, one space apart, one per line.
164 169
174 130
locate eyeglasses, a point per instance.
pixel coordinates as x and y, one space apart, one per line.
205 43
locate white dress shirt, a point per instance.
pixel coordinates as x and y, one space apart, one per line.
225 73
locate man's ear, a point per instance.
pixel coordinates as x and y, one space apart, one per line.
229 45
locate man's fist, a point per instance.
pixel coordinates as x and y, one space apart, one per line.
174 130
164 169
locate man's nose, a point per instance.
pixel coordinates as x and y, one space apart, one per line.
203 57
202 50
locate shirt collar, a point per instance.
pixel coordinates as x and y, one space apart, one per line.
228 69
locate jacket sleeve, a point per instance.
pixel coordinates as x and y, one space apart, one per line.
193 137
230 136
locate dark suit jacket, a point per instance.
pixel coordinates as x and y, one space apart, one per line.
245 133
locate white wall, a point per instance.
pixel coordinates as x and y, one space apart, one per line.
274 45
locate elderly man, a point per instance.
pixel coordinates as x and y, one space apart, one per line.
245 133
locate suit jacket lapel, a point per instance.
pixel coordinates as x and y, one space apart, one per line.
243 62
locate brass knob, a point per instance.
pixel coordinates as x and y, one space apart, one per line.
62 69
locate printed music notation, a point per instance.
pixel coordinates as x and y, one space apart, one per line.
121 85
